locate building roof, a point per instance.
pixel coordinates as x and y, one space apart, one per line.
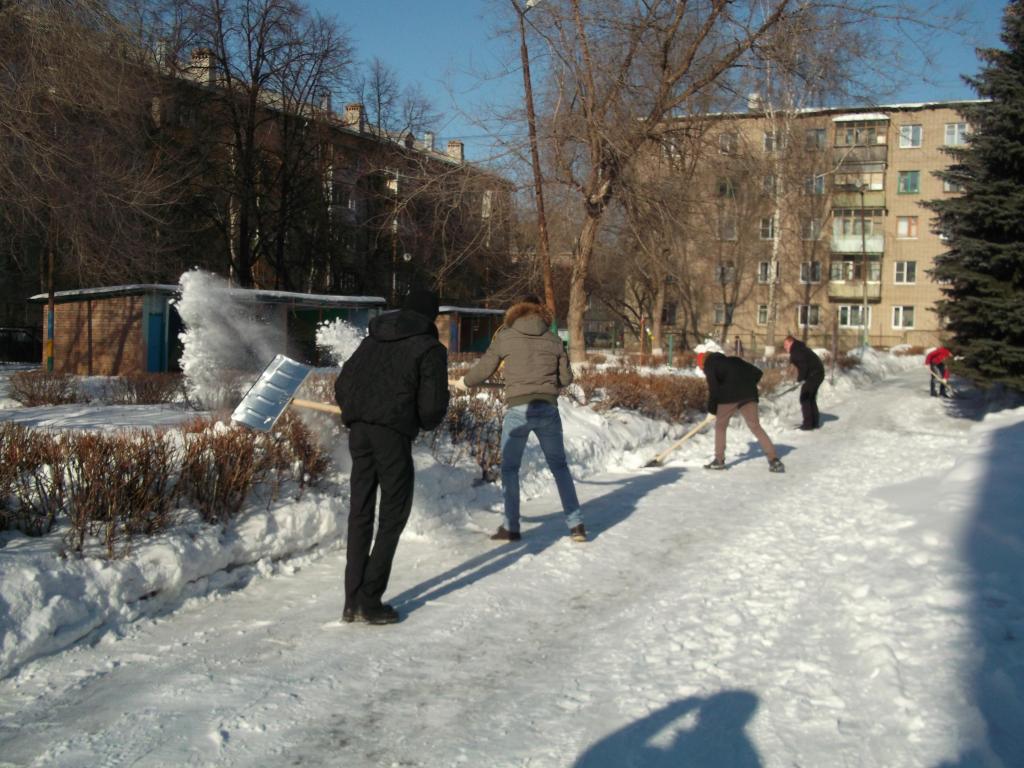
446 309
253 295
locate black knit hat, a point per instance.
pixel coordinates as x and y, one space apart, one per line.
421 301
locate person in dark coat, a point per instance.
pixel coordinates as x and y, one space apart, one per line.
936 362
811 372
732 387
393 385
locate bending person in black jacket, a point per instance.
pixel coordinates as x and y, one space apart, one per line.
732 387
393 385
811 372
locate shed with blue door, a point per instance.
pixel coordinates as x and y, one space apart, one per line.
128 329
468 329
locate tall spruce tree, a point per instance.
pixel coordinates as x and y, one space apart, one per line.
982 273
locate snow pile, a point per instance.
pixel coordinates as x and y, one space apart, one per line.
222 337
49 603
338 339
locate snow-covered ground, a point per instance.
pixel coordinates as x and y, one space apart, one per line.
864 609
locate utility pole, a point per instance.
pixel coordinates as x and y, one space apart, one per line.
543 248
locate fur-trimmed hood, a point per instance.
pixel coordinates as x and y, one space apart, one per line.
527 317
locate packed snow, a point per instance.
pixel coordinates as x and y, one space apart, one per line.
864 609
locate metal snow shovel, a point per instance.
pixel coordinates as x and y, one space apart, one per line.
660 458
266 400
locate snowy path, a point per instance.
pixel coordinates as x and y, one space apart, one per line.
817 618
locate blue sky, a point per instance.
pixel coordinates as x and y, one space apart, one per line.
446 46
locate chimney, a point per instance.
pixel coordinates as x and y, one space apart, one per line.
354 117
455 150
428 140
201 65
754 102
325 101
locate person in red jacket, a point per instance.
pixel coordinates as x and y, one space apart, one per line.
936 362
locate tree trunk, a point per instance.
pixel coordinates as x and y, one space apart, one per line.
577 287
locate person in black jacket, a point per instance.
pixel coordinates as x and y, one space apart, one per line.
393 385
811 372
732 387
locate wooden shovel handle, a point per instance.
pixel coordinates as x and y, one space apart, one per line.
315 406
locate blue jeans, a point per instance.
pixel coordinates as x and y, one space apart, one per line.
542 419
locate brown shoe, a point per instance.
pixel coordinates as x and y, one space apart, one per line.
506 535
578 533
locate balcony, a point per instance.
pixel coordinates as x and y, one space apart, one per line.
853 290
856 155
874 198
873 243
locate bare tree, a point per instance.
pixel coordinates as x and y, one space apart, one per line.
82 191
623 69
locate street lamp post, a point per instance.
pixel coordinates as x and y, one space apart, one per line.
864 267
543 250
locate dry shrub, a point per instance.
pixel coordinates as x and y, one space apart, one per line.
144 389
596 358
32 388
309 461
847 361
318 387
660 397
474 426
773 379
908 351
32 479
119 486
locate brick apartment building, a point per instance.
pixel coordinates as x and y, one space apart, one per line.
820 214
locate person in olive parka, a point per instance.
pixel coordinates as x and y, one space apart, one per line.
811 372
393 385
732 387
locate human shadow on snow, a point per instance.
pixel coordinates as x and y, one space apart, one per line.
600 514
711 736
991 548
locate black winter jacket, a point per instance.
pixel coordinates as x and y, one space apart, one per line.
808 365
397 377
730 380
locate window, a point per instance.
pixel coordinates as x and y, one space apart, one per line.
906 272
770 184
847 221
902 317
764 272
725 272
956 134
668 313
852 315
908 182
952 186
810 272
726 188
814 138
768 228
723 314
762 314
727 227
810 229
910 136
871 180
727 143
486 204
906 227
772 141
814 185
859 134
848 269
808 315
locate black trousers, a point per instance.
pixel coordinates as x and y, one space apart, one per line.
381 458
938 369
809 401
